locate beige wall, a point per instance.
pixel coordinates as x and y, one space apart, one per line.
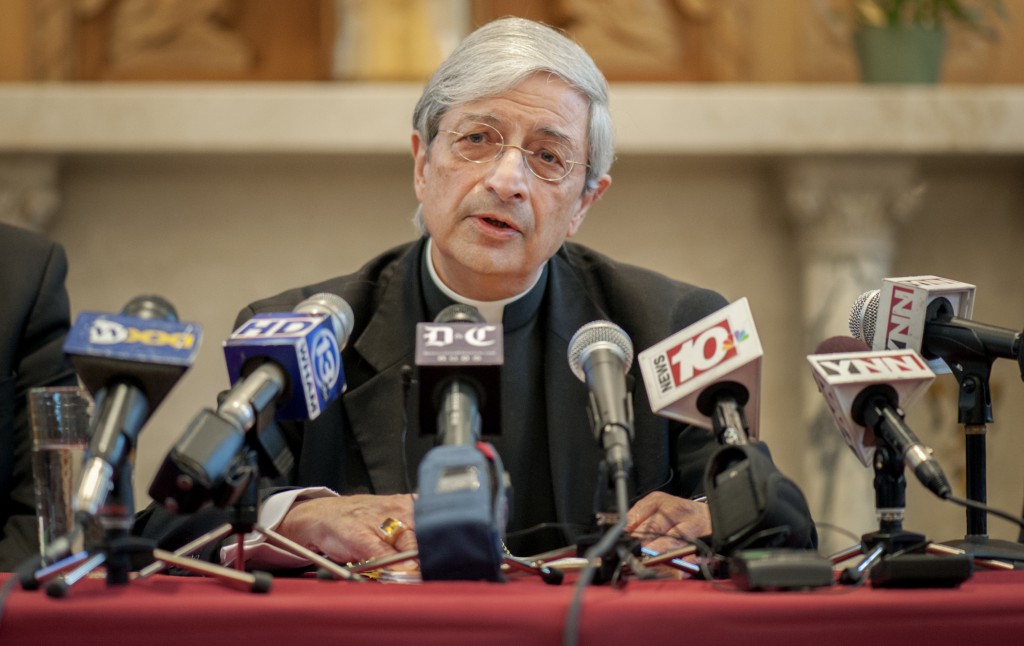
213 233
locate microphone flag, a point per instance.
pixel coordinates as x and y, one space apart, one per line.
722 347
842 376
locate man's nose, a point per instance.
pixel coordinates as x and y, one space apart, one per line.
509 177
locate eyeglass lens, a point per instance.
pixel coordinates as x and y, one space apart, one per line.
480 142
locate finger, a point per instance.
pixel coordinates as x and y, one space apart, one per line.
406 541
649 505
640 513
657 524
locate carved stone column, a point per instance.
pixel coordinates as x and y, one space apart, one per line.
28 190
845 211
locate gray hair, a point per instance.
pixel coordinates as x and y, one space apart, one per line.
497 57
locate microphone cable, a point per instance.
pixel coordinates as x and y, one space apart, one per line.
571 633
974 504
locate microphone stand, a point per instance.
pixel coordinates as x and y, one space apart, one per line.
611 507
966 354
116 549
242 519
895 557
975 413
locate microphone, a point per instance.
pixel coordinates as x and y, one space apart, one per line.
895 317
709 374
931 315
458 363
283 366
129 363
864 389
600 355
292 360
462 509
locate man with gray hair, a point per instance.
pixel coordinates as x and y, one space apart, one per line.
512 145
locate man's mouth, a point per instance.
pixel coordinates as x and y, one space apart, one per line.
496 223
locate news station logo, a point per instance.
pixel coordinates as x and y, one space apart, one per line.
458 343
326 359
697 355
274 326
898 327
105 331
896 364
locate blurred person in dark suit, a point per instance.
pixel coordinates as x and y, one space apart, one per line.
34 320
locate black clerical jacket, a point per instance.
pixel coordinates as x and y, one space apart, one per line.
366 442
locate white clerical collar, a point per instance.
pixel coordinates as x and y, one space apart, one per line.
492 311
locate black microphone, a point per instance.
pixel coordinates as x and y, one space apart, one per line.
600 354
462 507
458 373
129 362
288 367
458 416
863 390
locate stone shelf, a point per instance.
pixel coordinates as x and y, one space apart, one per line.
671 119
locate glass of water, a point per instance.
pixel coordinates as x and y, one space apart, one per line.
60 436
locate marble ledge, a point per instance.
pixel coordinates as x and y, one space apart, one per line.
358 118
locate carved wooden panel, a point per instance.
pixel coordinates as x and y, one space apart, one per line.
648 40
252 40
764 41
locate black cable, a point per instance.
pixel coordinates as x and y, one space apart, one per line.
407 381
838 530
566 527
974 504
570 636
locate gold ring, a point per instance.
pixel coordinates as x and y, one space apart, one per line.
391 529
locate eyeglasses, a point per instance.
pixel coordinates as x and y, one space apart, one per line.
545 158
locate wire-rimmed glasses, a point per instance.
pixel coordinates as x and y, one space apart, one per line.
481 143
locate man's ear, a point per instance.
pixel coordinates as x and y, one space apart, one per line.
419 156
586 201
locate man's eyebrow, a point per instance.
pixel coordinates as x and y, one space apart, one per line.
558 135
494 120
489 117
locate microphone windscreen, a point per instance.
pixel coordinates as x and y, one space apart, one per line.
864 316
333 306
460 313
599 334
841 344
151 307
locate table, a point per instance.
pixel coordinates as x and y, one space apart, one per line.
987 609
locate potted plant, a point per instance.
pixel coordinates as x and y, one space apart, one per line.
904 41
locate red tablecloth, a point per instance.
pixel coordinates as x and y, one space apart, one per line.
987 609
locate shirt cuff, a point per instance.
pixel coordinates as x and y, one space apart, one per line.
257 552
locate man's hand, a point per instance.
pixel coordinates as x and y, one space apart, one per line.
345 529
664 522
